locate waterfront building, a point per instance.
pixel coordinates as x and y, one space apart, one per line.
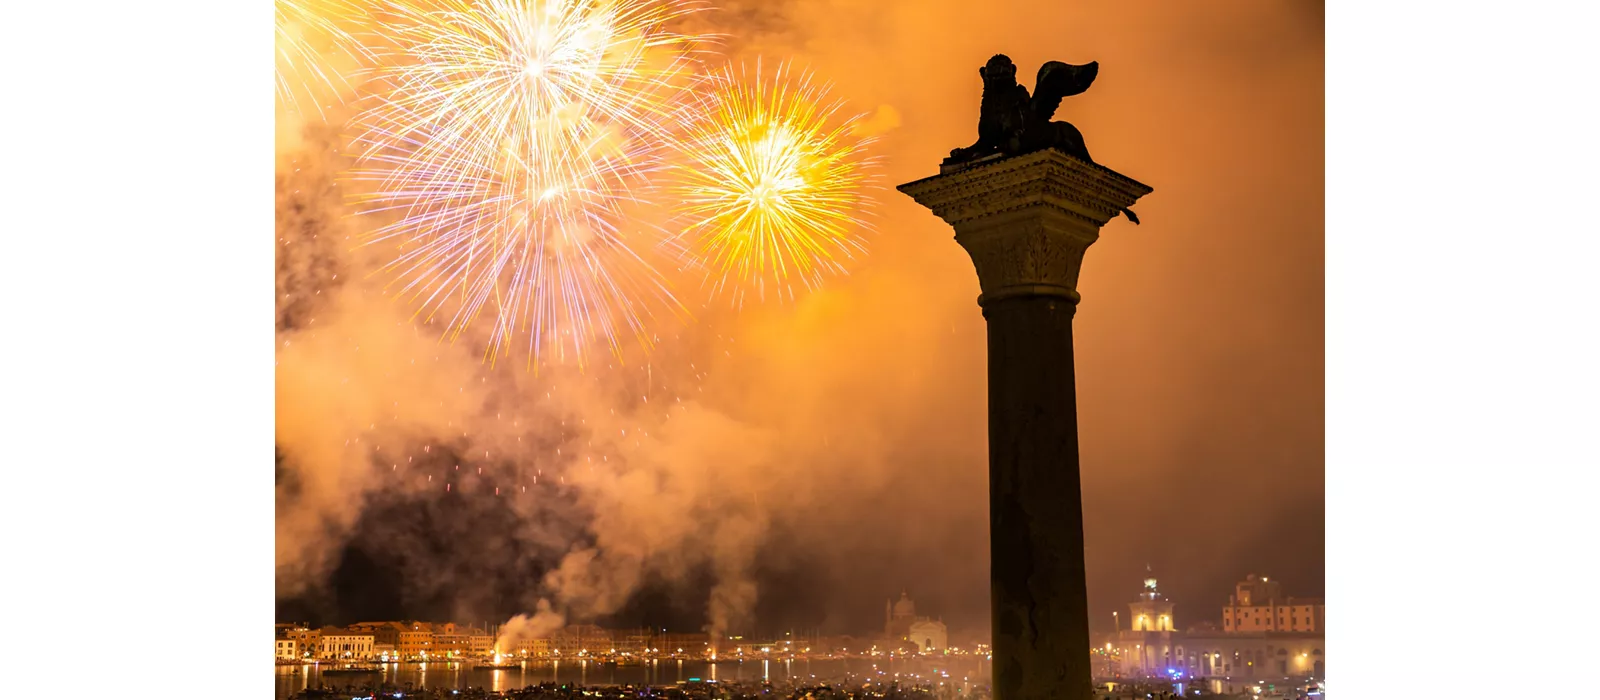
528 646
383 633
306 639
343 643
1258 605
634 640
902 626
1156 647
415 639
450 639
581 640
687 643
480 641
287 649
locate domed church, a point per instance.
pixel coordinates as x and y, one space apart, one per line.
901 624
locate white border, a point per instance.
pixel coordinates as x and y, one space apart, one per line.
137 391
138 381
1461 345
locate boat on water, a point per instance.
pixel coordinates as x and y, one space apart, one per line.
350 670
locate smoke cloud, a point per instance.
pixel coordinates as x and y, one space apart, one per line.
536 626
796 463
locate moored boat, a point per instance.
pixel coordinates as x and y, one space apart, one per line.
350 670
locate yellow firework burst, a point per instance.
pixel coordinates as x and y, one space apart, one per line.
506 143
314 51
770 182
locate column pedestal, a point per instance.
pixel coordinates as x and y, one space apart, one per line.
1026 221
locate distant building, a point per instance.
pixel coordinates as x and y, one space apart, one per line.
520 645
287 648
1258 605
1155 647
451 639
901 624
415 639
687 643
480 641
1150 611
929 635
342 643
843 644
306 640
383 633
633 640
586 640
528 647
1148 648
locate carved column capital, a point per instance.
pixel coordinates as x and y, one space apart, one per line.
1027 220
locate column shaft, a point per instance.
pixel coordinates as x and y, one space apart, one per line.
1041 624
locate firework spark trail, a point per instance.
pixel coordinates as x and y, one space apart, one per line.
770 182
309 33
507 140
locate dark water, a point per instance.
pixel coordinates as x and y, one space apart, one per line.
958 672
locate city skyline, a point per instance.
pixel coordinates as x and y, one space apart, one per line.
1208 613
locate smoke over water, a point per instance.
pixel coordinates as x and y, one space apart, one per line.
794 464
536 626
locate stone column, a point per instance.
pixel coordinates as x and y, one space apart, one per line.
1026 221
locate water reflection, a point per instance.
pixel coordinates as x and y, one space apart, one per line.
963 673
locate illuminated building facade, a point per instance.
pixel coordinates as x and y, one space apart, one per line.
687 643
383 633
1148 648
452 640
1251 655
1151 611
342 643
306 640
414 639
482 642
633 641
929 635
1263 649
287 649
529 647
586 640
1258 605
901 624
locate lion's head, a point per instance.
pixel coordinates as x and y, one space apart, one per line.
999 72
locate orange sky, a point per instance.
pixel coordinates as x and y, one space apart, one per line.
840 440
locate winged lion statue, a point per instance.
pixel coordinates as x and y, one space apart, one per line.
1010 122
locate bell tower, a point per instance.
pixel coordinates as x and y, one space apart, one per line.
1151 611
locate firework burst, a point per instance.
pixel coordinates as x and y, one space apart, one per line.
506 144
770 183
313 51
